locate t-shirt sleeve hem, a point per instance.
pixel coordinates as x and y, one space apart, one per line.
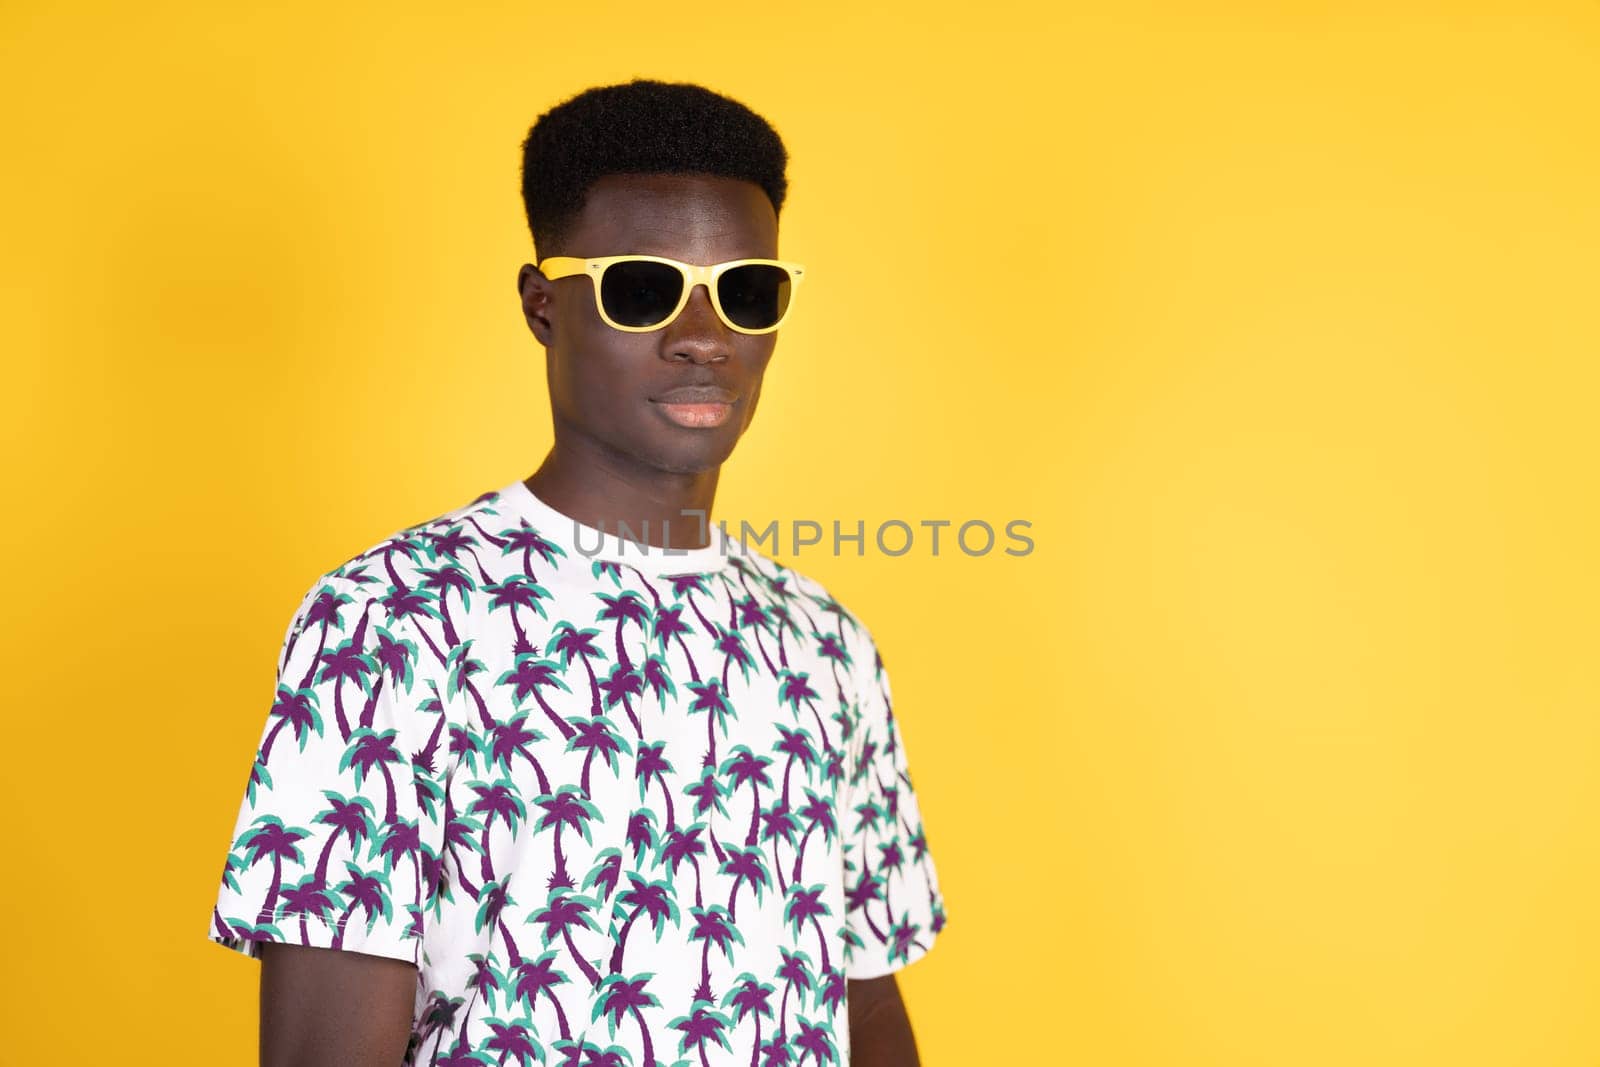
320 935
878 965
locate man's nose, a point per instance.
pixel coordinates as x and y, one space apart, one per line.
697 335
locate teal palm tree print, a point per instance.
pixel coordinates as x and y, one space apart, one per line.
619 807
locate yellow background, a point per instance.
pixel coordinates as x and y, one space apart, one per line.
1277 321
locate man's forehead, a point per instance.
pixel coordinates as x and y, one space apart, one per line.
672 207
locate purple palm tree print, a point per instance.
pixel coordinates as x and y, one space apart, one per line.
633 808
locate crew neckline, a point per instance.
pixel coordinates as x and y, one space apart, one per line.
590 543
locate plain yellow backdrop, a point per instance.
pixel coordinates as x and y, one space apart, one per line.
1277 322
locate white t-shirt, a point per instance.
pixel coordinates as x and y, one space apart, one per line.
607 798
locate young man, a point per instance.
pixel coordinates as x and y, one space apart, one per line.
568 775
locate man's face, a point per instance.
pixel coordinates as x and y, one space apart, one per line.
607 385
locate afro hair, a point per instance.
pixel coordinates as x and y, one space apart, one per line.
640 127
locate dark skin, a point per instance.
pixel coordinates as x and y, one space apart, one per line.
616 458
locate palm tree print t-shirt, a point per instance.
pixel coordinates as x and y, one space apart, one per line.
620 805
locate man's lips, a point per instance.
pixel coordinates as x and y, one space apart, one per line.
697 415
696 406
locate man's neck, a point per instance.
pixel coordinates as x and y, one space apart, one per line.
658 508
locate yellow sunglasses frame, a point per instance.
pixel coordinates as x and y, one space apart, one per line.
693 273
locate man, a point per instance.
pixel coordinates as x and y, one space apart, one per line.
567 774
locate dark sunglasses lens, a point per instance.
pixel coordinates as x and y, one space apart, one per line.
756 295
640 293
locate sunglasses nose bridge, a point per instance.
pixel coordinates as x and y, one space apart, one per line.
700 299
698 276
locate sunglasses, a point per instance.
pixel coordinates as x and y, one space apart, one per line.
642 293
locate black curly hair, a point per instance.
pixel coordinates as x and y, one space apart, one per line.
640 127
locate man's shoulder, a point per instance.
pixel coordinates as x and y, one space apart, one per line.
825 607
411 554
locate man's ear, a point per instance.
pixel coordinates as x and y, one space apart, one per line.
535 292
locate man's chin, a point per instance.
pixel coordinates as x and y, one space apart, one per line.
679 462
685 451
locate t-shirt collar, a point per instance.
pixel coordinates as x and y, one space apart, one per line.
584 542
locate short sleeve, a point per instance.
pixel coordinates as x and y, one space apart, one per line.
338 834
894 908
